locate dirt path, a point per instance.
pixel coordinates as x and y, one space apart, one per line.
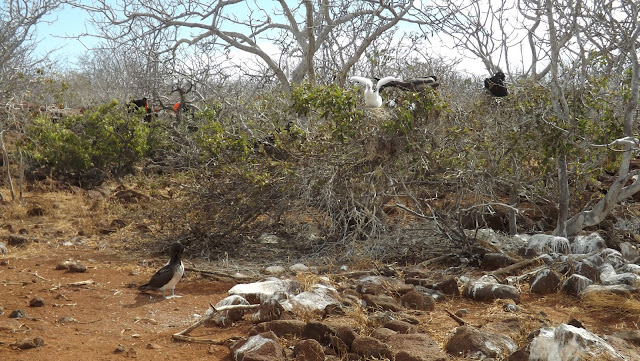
105 318
109 319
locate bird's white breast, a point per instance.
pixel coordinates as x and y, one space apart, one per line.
177 275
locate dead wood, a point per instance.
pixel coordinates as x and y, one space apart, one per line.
184 334
460 321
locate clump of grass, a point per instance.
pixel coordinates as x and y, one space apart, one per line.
612 303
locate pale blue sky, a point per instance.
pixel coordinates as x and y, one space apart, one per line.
54 34
66 22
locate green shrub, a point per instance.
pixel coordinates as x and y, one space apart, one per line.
333 103
106 138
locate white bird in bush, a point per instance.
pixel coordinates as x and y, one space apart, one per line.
373 98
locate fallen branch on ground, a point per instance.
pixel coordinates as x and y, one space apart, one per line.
183 335
460 321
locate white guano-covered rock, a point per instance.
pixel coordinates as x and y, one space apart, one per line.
568 343
314 300
259 292
587 244
544 243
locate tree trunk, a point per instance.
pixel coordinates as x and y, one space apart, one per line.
563 196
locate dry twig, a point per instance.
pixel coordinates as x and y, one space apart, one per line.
183 335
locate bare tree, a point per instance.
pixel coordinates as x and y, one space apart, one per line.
570 43
18 19
485 29
282 39
615 27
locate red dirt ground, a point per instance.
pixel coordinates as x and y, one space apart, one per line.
113 320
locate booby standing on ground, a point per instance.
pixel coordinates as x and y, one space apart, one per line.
373 98
168 276
414 84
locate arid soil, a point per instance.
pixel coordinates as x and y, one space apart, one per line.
106 318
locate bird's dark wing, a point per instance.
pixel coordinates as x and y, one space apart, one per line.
159 279
393 83
420 84
497 89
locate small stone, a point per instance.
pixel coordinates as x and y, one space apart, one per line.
510 307
3 248
36 211
18 314
299 267
77 267
78 240
63 265
120 349
15 240
67 319
36 302
462 312
275 270
28 343
152 346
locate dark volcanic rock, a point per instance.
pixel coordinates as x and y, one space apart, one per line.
382 302
486 291
346 334
448 287
587 269
77 267
545 282
414 300
366 346
18 314
308 350
36 302
575 284
319 331
31 342
282 328
262 347
382 333
468 340
15 240
376 285
415 347
400 326
494 261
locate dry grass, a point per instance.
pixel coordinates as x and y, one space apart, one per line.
613 304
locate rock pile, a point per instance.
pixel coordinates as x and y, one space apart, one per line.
392 304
